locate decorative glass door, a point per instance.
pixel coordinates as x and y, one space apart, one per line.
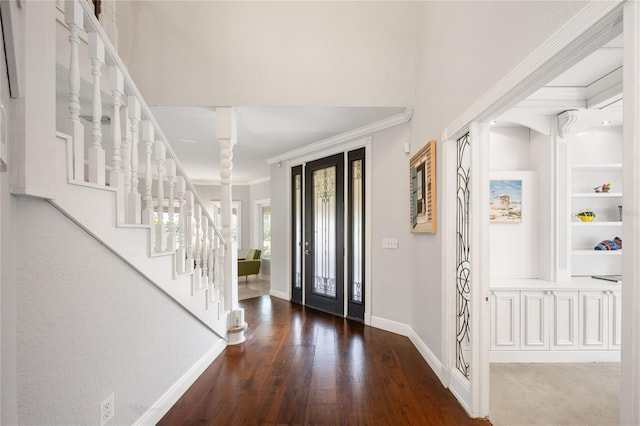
296 234
324 234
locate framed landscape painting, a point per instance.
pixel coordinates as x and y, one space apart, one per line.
422 183
506 201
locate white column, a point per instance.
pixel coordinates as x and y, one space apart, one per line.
116 178
134 208
96 152
171 178
74 18
226 135
181 252
161 158
148 135
630 357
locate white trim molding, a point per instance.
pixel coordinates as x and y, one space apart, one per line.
428 355
630 356
162 406
390 325
328 143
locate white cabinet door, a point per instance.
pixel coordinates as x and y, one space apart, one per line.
505 320
615 319
594 319
535 320
564 320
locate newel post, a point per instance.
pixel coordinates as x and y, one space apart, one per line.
227 137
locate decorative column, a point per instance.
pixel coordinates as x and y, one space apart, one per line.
561 130
116 178
226 134
96 152
134 208
74 18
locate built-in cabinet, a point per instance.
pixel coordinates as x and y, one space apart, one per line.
545 305
551 324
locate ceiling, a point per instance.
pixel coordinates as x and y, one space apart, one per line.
594 83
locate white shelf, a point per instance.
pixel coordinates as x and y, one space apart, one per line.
596 195
596 252
614 167
595 223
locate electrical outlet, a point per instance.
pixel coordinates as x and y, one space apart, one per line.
107 410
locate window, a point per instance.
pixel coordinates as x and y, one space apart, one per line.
266 230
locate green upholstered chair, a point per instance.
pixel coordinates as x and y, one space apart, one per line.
250 264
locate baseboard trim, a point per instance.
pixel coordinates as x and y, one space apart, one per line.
162 406
279 294
392 326
553 356
460 388
431 359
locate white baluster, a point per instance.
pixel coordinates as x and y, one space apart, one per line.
181 251
75 19
197 251
171 178
205 248
148 135
116 178
96 152
211 262
188 230
161 158
126 155
134 207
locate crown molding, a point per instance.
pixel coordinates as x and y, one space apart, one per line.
324 144
589 29
260 180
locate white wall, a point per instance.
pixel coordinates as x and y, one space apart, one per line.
391 272
270 53
88 325
464 48
280 231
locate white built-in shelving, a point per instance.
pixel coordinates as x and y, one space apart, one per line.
592 153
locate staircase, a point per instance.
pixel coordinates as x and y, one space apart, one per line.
142 205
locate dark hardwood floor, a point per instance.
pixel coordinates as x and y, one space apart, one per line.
301 366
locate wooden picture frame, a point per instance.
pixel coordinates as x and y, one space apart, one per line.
422 189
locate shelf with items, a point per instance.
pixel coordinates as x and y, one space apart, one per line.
595 190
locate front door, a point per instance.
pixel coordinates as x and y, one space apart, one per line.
323 246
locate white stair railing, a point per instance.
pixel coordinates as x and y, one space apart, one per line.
195 241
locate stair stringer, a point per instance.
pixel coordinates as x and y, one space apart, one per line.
131 243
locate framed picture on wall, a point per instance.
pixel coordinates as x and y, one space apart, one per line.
506 201
422 192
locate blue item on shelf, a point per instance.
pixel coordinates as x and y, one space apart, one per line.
615 244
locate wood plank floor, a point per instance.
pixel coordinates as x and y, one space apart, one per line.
301 366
